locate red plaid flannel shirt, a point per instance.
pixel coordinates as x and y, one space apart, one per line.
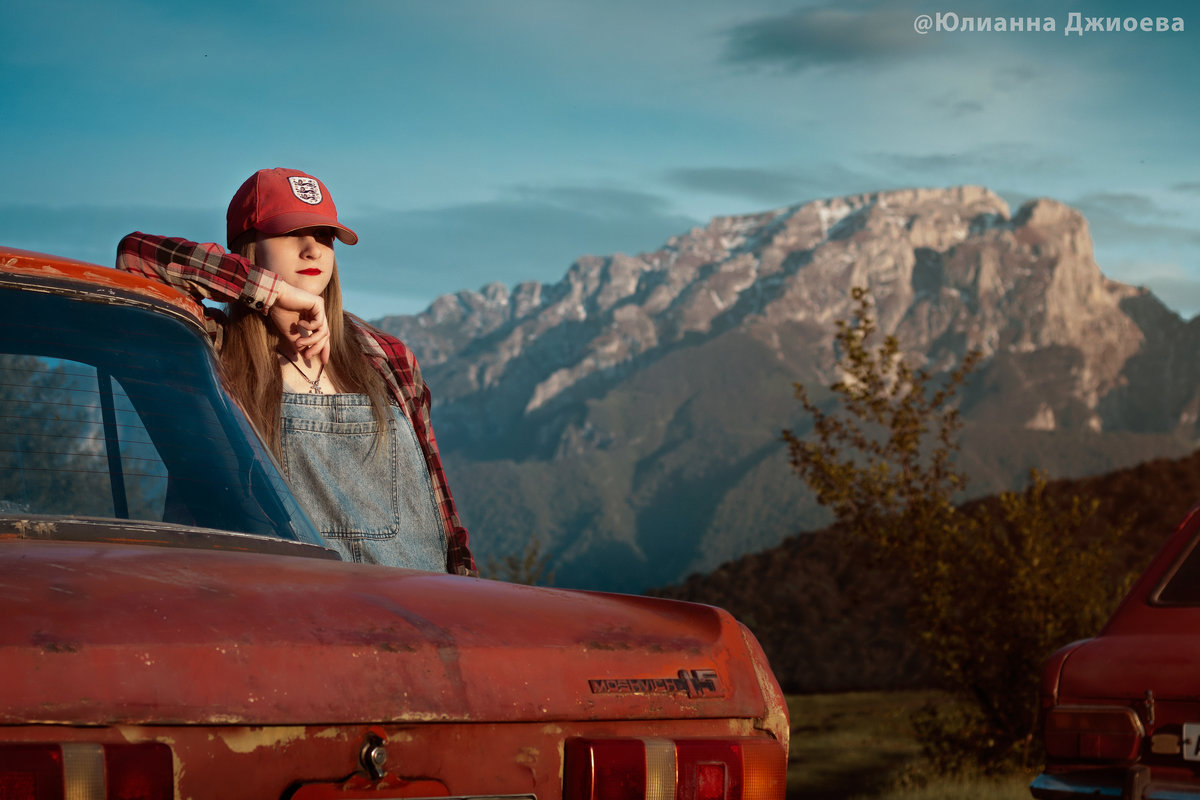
207 271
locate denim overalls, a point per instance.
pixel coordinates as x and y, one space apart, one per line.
371 504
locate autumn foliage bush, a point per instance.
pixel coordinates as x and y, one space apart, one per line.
992 588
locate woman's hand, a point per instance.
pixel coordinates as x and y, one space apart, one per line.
300 318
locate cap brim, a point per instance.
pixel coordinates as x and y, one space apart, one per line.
286 223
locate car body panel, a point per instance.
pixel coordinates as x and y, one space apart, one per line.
465 759
265 664
99 281
1145 659
180 631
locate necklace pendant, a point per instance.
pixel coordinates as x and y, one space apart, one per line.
313 383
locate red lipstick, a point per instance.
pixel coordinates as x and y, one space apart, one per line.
310 271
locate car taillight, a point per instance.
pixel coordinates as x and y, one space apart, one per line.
86 772
667 769
1093 732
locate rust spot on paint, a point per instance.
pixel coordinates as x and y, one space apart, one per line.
53 644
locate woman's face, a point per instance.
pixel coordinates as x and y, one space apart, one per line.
303 258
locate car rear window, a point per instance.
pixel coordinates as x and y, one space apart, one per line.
56 446
114 410
1182 587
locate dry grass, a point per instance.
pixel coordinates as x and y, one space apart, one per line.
859 746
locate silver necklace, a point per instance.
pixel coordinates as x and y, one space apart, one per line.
314 383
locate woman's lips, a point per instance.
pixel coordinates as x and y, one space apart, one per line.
310 271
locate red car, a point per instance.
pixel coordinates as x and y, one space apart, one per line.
157 644
1122 711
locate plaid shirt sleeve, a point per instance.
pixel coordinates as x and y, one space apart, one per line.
392 358
204 271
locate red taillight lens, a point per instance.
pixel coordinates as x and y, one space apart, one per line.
86 771
683 769
614 769
1101 733
139 771
30 772
711 782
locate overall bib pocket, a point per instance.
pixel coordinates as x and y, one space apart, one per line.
370 497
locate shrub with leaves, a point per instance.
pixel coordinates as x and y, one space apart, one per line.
994 588
531 566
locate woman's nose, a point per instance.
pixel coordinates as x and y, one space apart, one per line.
308 247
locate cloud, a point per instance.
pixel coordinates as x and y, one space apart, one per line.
1131 218
594 201
1017 77
1181 295
1003 158
91 233
1121 204
822 36
955 107
1167 281
404 259
529 233
771 187
765 185
1187 186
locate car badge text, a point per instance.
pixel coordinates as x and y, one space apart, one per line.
694 682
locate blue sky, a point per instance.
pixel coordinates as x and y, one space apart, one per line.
470 141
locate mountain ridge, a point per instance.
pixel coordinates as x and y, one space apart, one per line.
829 619
635 406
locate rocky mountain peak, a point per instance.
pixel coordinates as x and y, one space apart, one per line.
628 415
949 269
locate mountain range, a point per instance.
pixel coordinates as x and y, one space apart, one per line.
628 417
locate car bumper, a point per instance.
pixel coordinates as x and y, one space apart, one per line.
1136 786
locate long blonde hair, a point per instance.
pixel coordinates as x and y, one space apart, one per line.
250 359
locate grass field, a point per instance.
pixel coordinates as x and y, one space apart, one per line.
859 746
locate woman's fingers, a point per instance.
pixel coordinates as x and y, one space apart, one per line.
300 317
314 341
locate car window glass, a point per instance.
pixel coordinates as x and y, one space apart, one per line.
110 409
55 455
1183 586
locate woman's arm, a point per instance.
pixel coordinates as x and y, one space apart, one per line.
208 272
204 271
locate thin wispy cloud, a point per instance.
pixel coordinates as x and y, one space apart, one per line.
529 233
999 157
831 35
1111 226
957 107
1121 204
760 185
1166 280
772 187
1182 293
501 139
90 233
592 201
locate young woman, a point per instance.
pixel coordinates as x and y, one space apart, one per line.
341 403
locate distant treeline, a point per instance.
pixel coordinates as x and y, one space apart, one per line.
829 623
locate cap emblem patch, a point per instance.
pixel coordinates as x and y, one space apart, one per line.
306 190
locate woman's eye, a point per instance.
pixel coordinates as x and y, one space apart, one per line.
322 235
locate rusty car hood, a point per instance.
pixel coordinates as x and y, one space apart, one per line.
101 633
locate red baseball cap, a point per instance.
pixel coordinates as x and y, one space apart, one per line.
278 201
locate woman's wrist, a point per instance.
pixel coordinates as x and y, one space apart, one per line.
262 289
